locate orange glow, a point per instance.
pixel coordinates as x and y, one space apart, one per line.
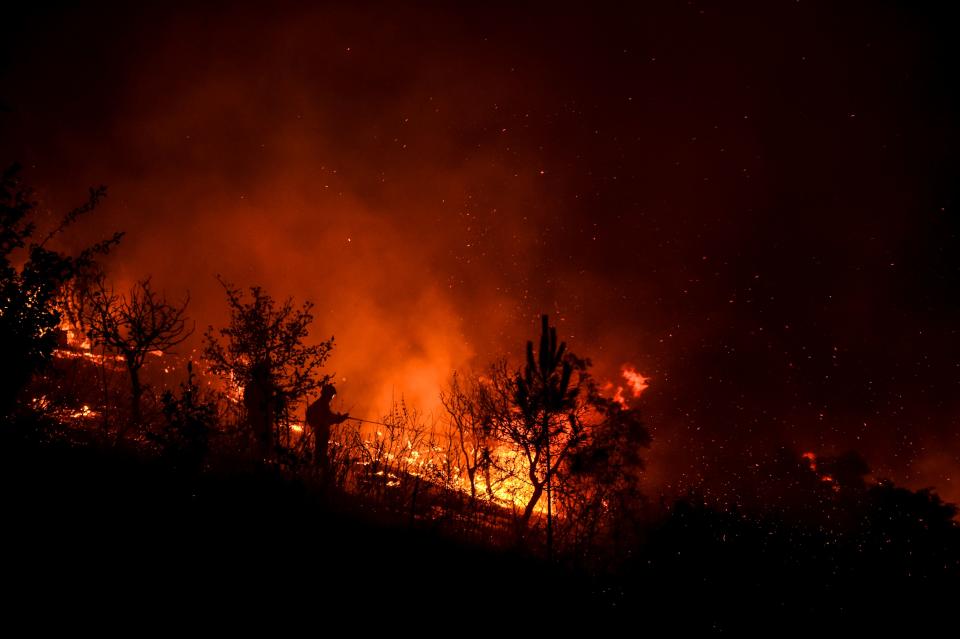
432 202
75 339
636 381
84 412
619 398
63 353
812 460
511 490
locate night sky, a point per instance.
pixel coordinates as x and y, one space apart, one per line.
755 204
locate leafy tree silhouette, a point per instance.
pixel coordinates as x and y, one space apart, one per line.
134 325
909 533
263 352
600 487
30 285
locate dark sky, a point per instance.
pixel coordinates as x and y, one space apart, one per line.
753 203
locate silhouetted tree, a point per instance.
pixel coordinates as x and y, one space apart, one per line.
909 533
600 488
30 284
263 352
548 426
133 326
467 403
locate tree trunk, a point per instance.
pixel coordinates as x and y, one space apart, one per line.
136 392
106 391
546 436
531 505
413 501
472 475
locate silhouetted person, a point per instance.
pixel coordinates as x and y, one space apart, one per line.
258 399
321 419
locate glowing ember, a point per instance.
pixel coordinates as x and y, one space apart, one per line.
63 353
84 412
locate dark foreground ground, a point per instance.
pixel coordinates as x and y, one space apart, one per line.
106 531
99 538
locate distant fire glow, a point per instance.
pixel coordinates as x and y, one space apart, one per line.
434 191
811 459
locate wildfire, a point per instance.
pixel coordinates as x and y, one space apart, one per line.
636 381
42 403
64 353
507 487
76 345
812 461
74 338
636 384
511 490
618 396
84 412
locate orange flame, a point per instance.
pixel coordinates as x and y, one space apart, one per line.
812 460
636 382
618 396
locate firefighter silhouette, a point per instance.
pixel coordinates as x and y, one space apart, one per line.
321 418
